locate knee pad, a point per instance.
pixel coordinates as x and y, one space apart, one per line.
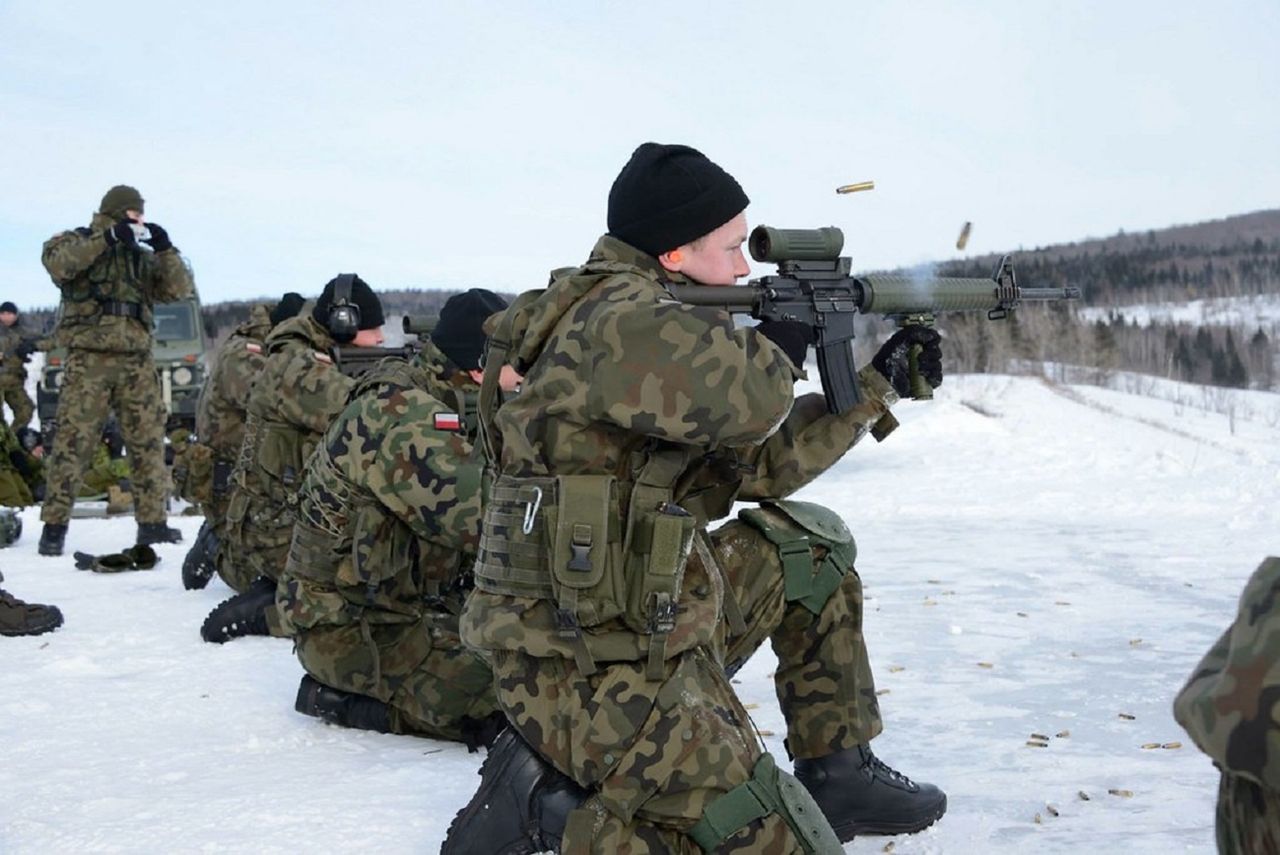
795 528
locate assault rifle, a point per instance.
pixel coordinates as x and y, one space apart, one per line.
815 286
355 361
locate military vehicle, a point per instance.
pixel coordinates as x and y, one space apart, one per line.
181 354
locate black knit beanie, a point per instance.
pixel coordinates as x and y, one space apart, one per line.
8 306
119 199
669 195
289 306
460 331
361 295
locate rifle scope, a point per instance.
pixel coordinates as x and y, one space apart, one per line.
768 244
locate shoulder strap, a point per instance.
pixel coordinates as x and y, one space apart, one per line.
490 393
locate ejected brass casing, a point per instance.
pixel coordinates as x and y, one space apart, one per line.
855 188
963 240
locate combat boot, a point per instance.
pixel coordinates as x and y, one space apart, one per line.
521 807
150 533
243 614
345 709
52 538
860 794
202 559
19 618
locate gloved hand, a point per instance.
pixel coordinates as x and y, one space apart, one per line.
892 358
24 350
122 233
792 336
159 239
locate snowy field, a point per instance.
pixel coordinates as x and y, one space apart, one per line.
1258 311
1038 560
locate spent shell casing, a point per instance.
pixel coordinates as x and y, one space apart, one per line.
963 240
856 188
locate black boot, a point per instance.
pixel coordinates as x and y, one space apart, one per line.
19 618
201 561
859 794
52 538
521 807
243 614
345 709
149 533
480 733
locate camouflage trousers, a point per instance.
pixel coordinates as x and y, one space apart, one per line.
93 384
256 542
656 753
14 392
1248 821
434 686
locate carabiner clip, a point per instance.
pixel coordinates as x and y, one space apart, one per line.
531 510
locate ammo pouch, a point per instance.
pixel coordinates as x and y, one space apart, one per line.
280 455
794 528
193 473
562 539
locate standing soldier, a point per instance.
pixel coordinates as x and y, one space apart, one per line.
297 394
610 617
111 274
220 417
1231 708
387 530
15 352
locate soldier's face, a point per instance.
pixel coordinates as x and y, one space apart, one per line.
716 258
369 338
136 216
8 318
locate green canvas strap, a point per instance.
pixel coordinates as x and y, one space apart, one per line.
744 804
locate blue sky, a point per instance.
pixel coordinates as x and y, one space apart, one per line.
457 144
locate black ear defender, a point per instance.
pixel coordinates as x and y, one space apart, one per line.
344 315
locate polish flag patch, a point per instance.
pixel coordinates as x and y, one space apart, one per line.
448 421
253 347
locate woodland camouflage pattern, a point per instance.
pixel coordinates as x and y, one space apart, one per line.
13 376
293 400
1231 709
388 526
220 412
109 364
616 371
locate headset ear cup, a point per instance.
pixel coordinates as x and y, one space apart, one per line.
344 315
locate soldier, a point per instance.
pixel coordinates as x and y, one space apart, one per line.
381 557
293 400
15 353
609 615
1231 708
220 417
111 274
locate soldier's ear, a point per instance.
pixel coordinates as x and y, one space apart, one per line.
672 260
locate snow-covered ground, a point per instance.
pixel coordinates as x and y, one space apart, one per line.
1037 559
1258 311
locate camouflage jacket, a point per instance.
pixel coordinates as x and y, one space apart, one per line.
220 412
616 371
293 400
11 365
91 274
389 516
1231 704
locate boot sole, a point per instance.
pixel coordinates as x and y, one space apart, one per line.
849 831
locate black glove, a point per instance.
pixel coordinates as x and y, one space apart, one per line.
792 336
28 437
24 350
891 359
121 233
159 239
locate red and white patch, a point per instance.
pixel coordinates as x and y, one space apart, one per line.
448 421
253 347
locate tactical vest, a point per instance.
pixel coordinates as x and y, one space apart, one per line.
599 547
112 286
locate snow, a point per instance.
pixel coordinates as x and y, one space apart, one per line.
1262 310
1086 544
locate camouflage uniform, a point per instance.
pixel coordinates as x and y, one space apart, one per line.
105 323
220 418
1231 708
293 400
20 471
608 612
13 376
387 529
